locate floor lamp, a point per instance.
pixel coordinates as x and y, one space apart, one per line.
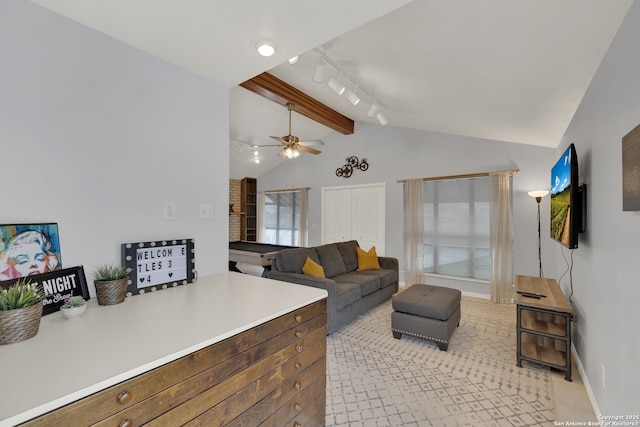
538 195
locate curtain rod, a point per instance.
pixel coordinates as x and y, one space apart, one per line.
286 189
467 175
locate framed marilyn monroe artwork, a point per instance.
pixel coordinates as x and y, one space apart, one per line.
28 249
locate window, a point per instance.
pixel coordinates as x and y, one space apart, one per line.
456 215
285 221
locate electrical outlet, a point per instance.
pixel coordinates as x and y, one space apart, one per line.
602 372
206 211
169 211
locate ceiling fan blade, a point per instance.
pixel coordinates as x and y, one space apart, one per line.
311 142
308 150
278 138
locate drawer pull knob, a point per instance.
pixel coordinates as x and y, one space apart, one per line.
298 334
124 398
297 386
298 366
298 318
299 348
297 406
125 423
297 424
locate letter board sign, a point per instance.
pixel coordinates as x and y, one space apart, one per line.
159 264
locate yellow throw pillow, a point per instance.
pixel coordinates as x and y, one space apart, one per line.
368 260
312 268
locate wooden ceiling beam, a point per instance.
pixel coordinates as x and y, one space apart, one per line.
281 93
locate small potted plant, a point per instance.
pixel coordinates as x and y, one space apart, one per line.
73 307
20 311
111 281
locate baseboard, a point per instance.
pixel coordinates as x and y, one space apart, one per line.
475 295
402 286
585 381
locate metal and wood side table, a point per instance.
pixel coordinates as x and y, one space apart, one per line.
543 323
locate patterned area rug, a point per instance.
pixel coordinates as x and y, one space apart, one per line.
376 380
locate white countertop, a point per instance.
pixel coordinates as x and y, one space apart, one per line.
72 358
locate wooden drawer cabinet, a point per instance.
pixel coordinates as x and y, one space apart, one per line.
264 367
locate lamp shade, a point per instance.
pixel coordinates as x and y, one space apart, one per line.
538 193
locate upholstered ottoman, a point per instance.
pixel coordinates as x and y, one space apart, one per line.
426 311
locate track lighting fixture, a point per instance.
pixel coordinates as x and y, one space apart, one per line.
336 86
376 107
373 110
293 60
352 97
318 74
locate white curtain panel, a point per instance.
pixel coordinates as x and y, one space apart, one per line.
304 197
413 231
501 231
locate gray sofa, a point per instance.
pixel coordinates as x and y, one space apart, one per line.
351 292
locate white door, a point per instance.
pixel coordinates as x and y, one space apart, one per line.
336 206
367 207
354 213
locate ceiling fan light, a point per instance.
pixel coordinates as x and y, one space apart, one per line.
336 86
318 74
352 97
382 119
266 48
373 110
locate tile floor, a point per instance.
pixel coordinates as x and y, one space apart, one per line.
571 399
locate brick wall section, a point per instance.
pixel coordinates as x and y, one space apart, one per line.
234 220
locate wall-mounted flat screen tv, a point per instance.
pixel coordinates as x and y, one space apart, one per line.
566 200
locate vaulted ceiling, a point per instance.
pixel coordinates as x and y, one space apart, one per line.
507 70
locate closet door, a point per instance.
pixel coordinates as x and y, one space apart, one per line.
354 213
336 215
367 217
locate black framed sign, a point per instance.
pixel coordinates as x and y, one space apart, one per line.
58 286
159 264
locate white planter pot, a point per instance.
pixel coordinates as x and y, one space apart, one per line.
73 312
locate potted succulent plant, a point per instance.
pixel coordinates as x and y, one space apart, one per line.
73 307
111 280
20 311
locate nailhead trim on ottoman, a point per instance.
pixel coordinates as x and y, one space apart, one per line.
426 311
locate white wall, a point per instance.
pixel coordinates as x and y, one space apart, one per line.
606 271
96 136
395 154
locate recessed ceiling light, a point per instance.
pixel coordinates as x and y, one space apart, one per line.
266 48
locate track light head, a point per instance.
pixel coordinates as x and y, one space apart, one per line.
373 110
318 74
382 119
352 97
336 86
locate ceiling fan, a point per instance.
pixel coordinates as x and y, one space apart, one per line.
291 144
